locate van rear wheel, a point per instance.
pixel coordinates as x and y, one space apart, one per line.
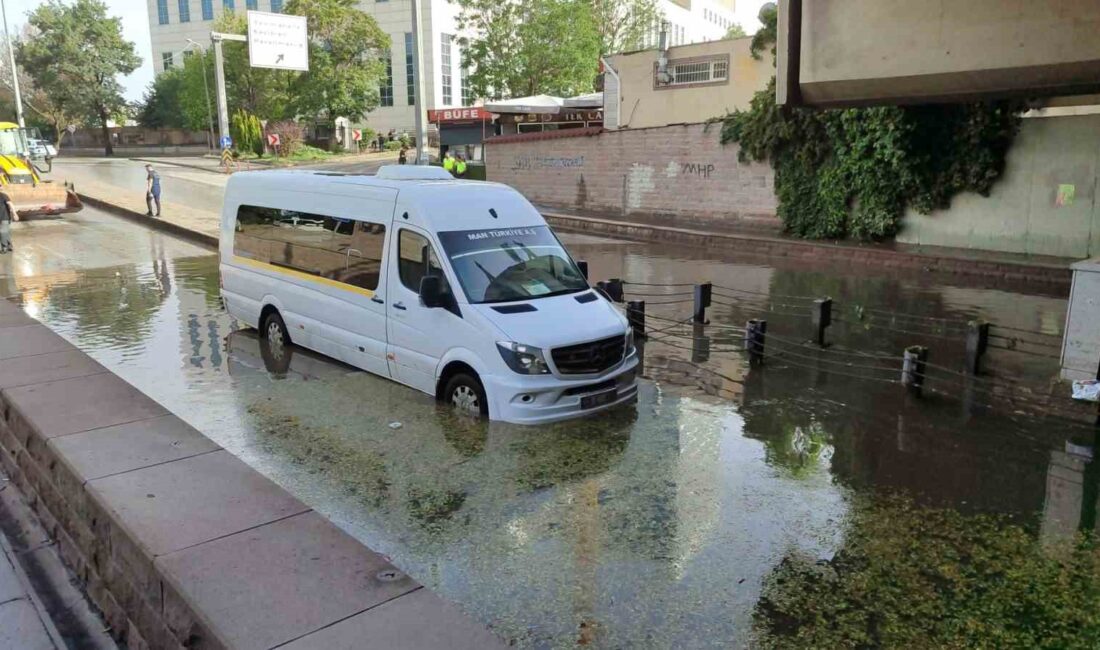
278 338
465 394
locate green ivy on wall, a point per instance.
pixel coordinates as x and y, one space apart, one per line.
853 172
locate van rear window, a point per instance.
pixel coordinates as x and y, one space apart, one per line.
336 248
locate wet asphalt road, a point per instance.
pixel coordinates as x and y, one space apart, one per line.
651 526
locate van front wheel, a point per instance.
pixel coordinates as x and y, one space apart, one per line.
465 394
278 338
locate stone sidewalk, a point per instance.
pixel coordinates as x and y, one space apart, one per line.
178 542
24 623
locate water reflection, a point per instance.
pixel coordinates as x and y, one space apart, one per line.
654 526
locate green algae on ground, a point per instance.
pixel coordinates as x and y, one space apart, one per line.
918 577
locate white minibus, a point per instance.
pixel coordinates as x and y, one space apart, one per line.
455 288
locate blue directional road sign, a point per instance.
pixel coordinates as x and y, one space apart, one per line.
227 142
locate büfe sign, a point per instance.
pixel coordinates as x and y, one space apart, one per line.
277 41
472 114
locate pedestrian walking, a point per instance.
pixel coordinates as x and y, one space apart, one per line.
403 155
152 190
7 215
449 162
460 166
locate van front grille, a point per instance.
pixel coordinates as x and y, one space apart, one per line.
590 358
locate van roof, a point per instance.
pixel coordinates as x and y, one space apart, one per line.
435 199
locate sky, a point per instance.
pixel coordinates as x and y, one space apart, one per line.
135 28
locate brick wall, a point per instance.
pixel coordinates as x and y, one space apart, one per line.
673 175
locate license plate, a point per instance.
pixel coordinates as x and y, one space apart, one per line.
599 399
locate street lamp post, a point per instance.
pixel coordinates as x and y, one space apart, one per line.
418 85
14 73
205 87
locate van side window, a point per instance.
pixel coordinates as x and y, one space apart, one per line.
340 249
416 259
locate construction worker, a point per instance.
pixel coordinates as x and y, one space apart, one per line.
449 162
460 166
7 215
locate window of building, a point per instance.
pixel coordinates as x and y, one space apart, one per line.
467 94
385 90
445 66
277 6
417 259
187 54
252 5
698 71
344 250
410 70
185 11
166 60
208 9
162 12
229 5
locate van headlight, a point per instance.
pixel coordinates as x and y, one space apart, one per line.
629 343
524 359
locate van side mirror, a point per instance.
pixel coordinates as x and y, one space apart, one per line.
432 293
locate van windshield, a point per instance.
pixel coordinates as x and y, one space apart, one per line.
511 264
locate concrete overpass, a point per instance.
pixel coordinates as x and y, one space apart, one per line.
866 52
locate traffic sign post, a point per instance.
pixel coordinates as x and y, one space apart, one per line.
273 141
357 137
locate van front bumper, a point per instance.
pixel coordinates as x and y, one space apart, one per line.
523 399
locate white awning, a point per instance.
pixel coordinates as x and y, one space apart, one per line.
543 104
591 100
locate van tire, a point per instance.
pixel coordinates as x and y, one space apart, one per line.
465 394
273 329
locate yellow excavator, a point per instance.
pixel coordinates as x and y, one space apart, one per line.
22 180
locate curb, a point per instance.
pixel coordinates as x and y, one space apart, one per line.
154 161
1052 274
193 236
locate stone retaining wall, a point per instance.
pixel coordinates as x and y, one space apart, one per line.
178 542
673 175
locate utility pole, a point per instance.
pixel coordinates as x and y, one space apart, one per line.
219 79
418 86
14 72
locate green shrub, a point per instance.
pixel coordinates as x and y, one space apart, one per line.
247 132
393 145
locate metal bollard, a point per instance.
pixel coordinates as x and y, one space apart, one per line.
583 267
821 318
614 288
912 368
755 335
635 315
700 344
702 301
977 339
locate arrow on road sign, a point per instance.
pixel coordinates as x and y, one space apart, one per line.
356 134
273 139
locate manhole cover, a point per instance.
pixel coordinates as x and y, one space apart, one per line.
389 575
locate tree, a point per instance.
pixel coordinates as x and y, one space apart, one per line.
623 24
161 105
529 47
177 98
75 58
345 60
39 109
736 31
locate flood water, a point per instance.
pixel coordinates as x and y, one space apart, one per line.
652 526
